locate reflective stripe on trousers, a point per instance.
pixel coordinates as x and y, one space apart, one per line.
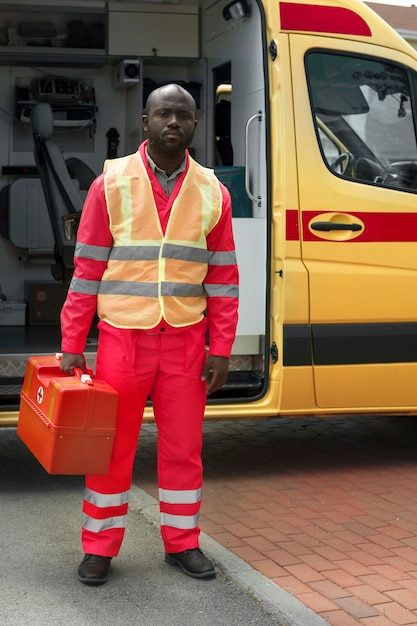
112 506
179 509
168 368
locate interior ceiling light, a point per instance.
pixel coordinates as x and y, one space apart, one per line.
236 9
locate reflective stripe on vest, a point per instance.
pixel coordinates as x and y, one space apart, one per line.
150 276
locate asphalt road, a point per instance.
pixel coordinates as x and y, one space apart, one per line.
40 552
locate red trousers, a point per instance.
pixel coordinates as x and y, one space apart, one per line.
167 367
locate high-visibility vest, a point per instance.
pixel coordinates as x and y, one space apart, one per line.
149 275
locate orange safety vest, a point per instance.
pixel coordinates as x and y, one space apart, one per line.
149 275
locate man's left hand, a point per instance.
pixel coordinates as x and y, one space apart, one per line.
215 372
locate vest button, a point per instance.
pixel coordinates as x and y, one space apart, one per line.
162 329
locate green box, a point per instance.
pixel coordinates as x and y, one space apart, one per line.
233 177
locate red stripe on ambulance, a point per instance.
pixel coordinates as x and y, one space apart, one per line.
322 19
383 227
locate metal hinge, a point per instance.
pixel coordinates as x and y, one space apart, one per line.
273 50
274 352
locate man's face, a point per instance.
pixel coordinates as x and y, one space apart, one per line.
170 122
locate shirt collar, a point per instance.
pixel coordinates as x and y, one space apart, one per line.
156 169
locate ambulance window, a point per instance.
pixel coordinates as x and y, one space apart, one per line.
364 120
330 149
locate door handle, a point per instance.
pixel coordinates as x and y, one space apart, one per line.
326 226
251 196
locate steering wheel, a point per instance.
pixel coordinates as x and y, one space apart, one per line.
344 157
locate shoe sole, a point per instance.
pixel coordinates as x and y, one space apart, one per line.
175 563
92 581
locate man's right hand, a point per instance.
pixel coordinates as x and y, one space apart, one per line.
69 361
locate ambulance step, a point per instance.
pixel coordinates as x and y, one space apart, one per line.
242 380
10 394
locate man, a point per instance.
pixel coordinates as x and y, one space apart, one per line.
155 257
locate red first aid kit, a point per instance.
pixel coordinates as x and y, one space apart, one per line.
67 422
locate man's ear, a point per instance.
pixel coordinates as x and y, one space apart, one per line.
145 122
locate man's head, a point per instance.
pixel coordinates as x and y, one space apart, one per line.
169 121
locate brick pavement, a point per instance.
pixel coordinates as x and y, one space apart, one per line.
324 507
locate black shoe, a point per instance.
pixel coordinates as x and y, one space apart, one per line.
192 562
94 569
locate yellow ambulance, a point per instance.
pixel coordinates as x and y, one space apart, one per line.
307 111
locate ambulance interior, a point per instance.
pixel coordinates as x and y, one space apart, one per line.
74 80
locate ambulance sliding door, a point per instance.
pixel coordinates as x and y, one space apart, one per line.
357 167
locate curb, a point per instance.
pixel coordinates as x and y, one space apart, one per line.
281 604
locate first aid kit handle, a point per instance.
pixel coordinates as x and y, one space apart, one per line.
84 378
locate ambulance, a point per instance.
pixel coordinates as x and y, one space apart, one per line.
306 110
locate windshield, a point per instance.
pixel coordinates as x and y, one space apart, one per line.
364 119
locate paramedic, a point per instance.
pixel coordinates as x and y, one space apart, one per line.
155 257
